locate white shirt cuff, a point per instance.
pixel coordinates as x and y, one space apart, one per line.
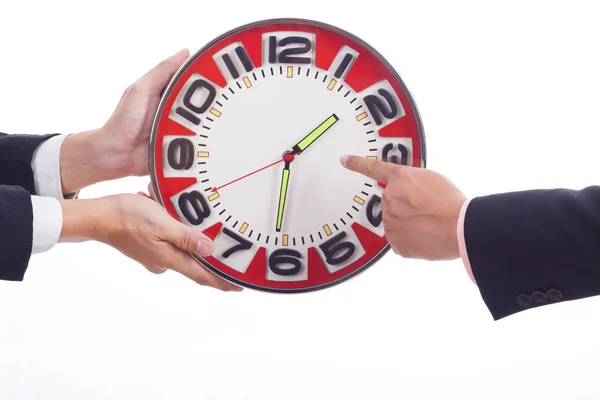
46 168
47 223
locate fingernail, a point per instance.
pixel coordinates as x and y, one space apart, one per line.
204 247
344 160
238 289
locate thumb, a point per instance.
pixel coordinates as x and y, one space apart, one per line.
188 239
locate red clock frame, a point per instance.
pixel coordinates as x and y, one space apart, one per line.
369 68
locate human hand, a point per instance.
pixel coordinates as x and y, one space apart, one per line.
127 131
420 208
142 230
120 147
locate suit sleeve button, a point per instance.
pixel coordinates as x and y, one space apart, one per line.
524 300
554 294
539 297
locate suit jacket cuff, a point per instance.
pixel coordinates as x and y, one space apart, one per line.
16 153
462 246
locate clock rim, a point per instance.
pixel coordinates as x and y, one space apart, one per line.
277 21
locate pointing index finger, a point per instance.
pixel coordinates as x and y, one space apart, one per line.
372 168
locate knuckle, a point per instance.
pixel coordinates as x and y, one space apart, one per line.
201 280
403 251
186 240
396 249
387 220
136 88
387 199
157 270
163 64
126 91
371 165
153 268
398 173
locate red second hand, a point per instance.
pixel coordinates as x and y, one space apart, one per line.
287 157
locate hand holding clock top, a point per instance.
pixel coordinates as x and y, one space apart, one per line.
123 141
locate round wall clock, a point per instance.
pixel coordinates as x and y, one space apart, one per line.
246 143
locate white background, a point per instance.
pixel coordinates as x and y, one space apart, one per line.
509 93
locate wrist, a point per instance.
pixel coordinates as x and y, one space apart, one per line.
117 158
84 219
86 158
450 247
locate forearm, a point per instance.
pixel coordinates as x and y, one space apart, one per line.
86 159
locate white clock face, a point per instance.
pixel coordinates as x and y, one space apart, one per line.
247 149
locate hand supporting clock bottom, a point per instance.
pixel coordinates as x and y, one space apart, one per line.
141 229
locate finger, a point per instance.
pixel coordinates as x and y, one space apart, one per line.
186 238
188 267
157 270
373 168
143 194
151 191
158 77
124 93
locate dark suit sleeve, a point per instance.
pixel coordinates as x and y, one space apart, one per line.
16 214
534 248
16 152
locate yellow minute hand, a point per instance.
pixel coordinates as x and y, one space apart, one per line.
315 134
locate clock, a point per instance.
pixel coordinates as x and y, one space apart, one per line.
246 142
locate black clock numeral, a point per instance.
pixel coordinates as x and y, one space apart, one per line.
339 72
180 154
336 250
242 244
287 56
194 207
374 219
388 148
272 49
378 109
285 257
244 58
189 110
